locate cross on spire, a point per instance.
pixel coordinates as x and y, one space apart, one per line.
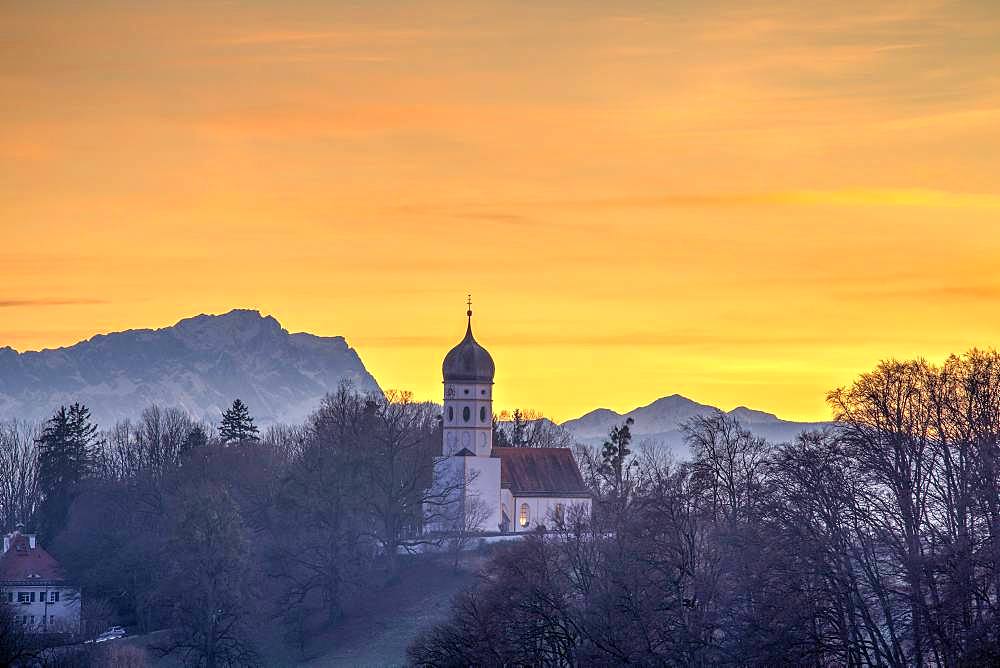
468 302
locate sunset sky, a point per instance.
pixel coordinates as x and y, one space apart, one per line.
744 206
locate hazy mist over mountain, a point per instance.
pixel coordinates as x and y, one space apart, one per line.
200 364
659 423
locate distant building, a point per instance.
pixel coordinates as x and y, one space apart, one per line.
509 489
33 583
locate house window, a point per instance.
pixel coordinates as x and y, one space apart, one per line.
53 597
482 414
25 597
560 513
9 596
525 515
466 413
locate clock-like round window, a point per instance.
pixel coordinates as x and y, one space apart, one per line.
466 413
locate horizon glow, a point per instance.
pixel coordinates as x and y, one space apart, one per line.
745 206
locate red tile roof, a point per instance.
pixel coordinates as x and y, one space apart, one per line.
540 472
22 563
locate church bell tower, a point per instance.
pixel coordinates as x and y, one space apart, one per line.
468 397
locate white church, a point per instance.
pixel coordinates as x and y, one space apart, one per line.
508 490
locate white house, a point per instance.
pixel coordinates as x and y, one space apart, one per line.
33 583
508 489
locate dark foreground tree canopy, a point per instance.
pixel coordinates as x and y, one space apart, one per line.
874 542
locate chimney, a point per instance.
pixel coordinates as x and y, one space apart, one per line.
8 540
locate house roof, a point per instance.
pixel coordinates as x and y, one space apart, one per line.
23 563
540 472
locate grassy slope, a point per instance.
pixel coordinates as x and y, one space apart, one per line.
379 631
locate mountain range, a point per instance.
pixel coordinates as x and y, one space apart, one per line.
202 363
659 423
199 364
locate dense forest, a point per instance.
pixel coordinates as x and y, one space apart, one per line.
873 542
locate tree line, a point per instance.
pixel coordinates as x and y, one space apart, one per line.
166 523
875 542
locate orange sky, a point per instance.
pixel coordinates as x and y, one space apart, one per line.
742 205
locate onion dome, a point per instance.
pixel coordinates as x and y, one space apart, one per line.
468 361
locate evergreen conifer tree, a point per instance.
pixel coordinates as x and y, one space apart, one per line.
67 455
237 425
195 440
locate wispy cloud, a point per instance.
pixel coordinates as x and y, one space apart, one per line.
913 197
292 36
17 303
850 197
982 292
629 339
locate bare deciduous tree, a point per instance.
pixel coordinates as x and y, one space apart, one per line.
19 493
465 522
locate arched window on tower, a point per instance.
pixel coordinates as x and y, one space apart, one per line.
466 414
482 413
525 516
451 414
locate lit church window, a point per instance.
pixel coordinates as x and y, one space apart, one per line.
525 515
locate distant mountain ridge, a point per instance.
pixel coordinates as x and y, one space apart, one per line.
660 421
199 364
202 363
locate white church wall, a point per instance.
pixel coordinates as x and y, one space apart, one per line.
481 476
507 503
438 510
542 510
